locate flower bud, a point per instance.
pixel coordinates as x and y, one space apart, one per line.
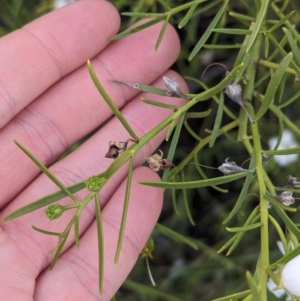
54 211
94 183
148 248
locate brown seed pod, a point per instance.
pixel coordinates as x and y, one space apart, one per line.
157 162
116 147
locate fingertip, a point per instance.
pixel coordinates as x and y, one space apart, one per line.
140 47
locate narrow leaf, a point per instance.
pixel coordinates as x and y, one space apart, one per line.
273 85
286 258
125 210
276 203
100 237
44 201
76 231
173 145
176 236
174 203
45 231
258 24
159 104
236 296
217 124
142 87
142 15
188 16
46 171
170 130
280 22
150 292
222 46
253 286
237 237
208 31
242 195
136 29
289 151
278 229
240 235
186 204
288 222
294 46
235 31
58 249
241 17
267 46
196 184
110 103
162 32
243 57
244 228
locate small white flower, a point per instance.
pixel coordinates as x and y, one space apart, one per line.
279 292
287 141
290 276
61 3
273 287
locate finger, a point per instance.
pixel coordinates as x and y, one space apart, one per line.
85 161
18 274
73 108
75 276
36 56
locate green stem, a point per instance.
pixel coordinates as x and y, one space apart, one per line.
275 66
263 212
182 7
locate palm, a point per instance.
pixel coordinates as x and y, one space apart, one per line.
47 103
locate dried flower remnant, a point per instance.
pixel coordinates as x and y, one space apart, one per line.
116 147
229 168
265 159
173 88
234 92
292 182
132 85
157 162
285 198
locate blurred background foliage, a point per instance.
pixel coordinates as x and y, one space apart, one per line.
180 272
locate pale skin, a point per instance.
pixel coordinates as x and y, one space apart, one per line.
48 102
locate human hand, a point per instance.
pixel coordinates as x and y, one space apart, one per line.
48 102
